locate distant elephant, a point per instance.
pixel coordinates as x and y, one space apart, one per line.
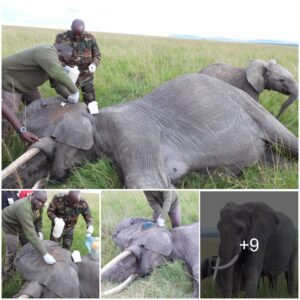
146 246
240 269
256 77
192 123
64 279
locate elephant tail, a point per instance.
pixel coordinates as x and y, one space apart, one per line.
275 132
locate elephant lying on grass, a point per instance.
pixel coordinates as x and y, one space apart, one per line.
256 77
146 246
64 279
192 123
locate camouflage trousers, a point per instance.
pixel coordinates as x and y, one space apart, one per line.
88 91
66 238
174 214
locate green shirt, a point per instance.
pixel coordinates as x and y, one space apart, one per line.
161 201
18 218
30 68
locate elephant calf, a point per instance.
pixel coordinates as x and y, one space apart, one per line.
256 77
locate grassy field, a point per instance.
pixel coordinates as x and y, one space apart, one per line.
133 66
209 247
11 287
169 281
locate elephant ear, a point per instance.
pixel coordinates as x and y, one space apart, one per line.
154 239
263 221
70 124
255 72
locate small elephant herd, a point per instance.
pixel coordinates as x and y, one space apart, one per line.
236 269
193 123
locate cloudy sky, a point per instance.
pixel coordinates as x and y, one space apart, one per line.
246 20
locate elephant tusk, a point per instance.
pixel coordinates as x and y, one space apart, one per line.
24 296
216 268
122 286
229 264
115 260
19 162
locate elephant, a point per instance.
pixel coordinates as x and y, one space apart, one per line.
240 268
257 76
146 246
64 279
193 123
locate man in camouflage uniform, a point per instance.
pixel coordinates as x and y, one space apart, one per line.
68 207
164 203
21 222
86 56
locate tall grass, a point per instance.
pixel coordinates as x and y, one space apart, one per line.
12 286
132 66
169 281
209 247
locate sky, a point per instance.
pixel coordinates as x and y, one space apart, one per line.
211 203
236 19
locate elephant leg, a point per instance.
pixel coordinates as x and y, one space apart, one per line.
290 274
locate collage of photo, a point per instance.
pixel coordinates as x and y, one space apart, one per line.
149 149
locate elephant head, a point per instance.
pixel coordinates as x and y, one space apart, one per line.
239 223
272 76
64 279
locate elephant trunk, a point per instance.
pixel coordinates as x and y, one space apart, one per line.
287 103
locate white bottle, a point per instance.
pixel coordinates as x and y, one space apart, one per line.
58 227
73 73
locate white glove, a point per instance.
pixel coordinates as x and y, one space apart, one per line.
67 68
90 229
160 222
49 259
40 235
73 98
92 68
57 220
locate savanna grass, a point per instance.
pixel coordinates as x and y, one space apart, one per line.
133 66
12 286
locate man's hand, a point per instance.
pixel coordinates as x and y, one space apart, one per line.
49 259
41 236
160 222
92 68
73 98
90 229
29 137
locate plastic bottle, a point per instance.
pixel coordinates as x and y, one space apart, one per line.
58 228
95 250
73 73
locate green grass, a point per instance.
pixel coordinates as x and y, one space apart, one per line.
133 66
209 247
12 286
169 281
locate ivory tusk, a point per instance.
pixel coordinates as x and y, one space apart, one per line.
122 286
24 296
216 268
115 260
19 162
229 264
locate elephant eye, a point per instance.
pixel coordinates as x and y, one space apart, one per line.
281 80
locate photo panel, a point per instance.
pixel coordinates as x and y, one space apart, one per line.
150 244
50 243
249 244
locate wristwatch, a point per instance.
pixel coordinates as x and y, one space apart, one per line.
21 130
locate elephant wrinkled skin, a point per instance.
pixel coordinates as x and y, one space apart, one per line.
151 247
64 279
192 123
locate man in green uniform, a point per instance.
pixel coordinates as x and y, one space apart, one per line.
24 71
86 56
68 207
18 222
164 203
